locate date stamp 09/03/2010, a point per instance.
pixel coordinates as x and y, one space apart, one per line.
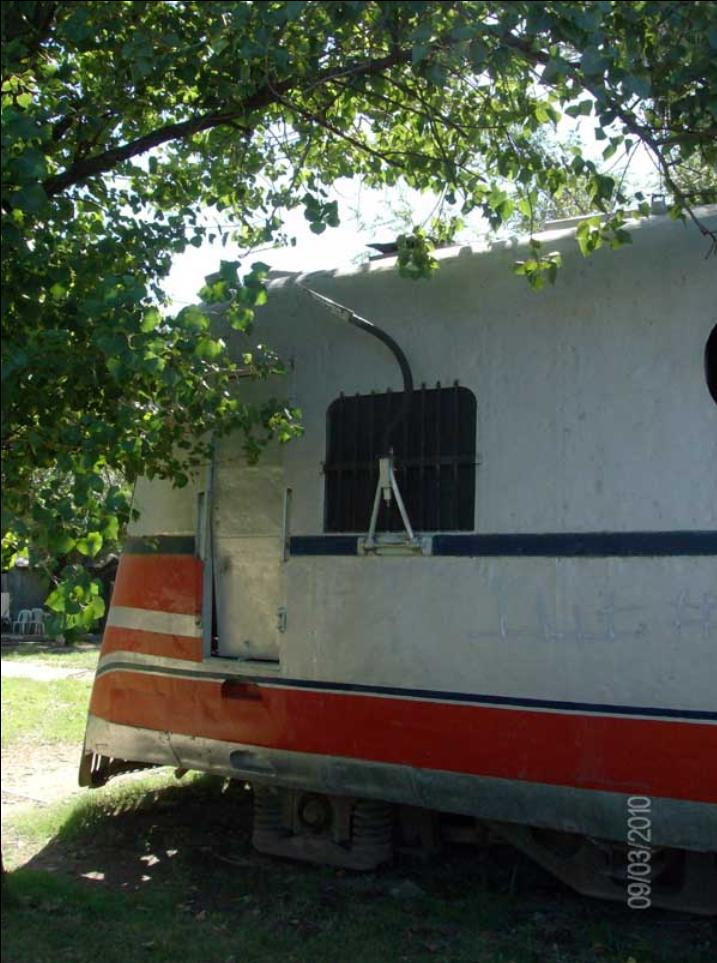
639 852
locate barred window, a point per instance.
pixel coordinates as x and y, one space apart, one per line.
434 449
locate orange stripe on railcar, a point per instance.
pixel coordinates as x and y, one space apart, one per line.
167 583
615 754
151 643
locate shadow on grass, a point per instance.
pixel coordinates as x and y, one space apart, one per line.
128 836
169 874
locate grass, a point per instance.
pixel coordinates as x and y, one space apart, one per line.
160 870
81 656
46 713
43 713
165 872
149 868
74 817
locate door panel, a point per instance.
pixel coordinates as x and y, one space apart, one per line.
248 546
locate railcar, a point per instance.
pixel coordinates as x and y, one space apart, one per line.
483 583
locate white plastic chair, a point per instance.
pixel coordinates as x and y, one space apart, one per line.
38 621
23 622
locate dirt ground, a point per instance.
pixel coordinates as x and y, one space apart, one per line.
41 672
39 775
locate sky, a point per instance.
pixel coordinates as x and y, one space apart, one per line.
338 247
365 217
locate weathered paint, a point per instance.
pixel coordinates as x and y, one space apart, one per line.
246 515
680 823
156 605
165 583
656 757
592 630
593 420
152 643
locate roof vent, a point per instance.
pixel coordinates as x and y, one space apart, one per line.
384 249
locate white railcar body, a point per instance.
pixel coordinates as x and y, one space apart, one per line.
544 653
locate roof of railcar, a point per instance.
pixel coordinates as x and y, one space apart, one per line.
555 233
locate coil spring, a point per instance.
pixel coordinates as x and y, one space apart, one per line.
372 823
267 811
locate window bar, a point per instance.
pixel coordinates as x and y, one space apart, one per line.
388 511
437 457
362 524
352 510
421 520
339 454
350 443
455 453
403 476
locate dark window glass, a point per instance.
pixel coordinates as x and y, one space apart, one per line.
711 364
434 450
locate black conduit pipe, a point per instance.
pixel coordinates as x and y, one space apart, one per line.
346 314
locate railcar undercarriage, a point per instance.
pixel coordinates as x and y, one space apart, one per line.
361 834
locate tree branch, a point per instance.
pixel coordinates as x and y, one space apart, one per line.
88 167
38 28
629 120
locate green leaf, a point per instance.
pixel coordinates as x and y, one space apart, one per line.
194 318
638 84
419 53
31 199
95 608
209 348
609 151
90 544
29 167
56 601
478 53
228 270
150 320
552 71
110 532
593 62
62 543
582 109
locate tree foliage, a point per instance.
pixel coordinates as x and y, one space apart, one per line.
123 121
